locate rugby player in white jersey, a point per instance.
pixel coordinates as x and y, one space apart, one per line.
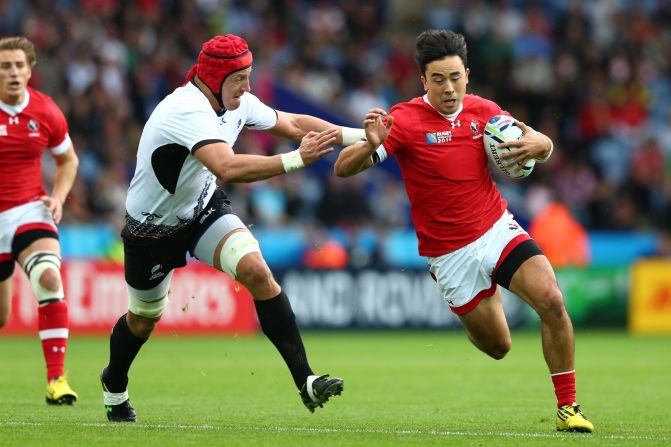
174 207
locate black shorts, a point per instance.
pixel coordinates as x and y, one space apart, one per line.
147 261
514 260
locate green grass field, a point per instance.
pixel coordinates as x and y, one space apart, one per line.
401 388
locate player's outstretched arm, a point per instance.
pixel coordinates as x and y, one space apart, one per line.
230 167
358 156
64 178
295 126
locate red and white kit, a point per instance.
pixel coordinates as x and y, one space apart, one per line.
26 131
454 200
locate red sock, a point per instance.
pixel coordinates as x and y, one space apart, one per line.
564 388
53 326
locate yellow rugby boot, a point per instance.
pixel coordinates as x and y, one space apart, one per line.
60 393
570 418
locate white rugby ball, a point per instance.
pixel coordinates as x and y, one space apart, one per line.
501 129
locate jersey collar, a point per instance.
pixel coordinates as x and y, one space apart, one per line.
220 112
18 108
451 116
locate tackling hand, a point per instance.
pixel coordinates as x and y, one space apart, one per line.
314 145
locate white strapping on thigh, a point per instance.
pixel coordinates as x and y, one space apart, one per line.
236 246
208 242
149 303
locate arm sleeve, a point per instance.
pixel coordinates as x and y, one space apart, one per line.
258 115
59 139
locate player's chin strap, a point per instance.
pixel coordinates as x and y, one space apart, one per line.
36 264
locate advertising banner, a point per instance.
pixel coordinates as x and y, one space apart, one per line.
374 299
595 296
202 300
650 305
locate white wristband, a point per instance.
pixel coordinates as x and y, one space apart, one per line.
351 135
292 161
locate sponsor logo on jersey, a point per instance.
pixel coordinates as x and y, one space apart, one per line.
13 120
3 130
33 127
439 137
475 128
456 123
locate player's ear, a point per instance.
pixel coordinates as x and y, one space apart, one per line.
424 83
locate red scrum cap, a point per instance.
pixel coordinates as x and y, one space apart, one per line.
218 58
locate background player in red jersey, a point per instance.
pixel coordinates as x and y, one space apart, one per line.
31 122
472 243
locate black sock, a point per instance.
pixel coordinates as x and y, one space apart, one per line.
124 346
278 322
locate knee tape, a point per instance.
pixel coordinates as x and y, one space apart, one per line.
149 303
34 266
236 246
148 309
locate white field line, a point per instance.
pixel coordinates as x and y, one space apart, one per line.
342 430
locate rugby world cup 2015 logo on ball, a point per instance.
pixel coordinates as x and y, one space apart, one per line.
501 129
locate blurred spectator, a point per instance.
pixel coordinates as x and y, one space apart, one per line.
329 255
595 75
561 237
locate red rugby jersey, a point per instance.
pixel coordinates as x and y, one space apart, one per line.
453 197
26 130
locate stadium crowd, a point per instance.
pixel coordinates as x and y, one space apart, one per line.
593 75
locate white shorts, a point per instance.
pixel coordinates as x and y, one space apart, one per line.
464 276
17 220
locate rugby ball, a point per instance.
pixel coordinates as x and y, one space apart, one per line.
501 129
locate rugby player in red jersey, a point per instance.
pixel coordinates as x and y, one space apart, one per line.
30 124
472 243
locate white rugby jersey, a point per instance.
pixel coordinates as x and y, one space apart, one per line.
171 186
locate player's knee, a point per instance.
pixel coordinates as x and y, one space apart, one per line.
50 279
498 350
550 304
255 274
43 270
143 315
140 326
